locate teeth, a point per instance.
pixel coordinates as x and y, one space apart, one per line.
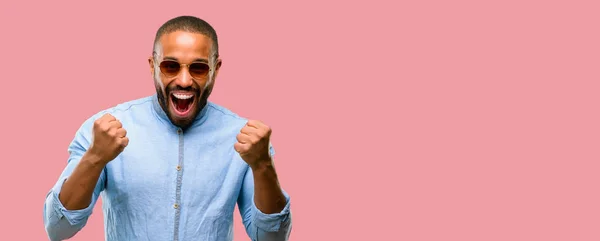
183 97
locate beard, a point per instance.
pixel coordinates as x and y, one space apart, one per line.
202 100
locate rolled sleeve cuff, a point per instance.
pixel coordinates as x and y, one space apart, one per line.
75 217
272 222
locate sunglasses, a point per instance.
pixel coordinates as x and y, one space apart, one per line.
197 70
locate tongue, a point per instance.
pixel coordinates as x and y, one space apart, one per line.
182 105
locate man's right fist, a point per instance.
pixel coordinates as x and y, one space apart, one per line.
108 138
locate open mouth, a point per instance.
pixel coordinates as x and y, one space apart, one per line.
182 103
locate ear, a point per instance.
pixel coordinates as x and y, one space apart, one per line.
217 67
151 63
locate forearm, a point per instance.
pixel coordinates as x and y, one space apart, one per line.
268 196
76 192
264 205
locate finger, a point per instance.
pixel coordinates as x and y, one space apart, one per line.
262 128
102 122
238 146
104 126
253 134
248 130
243 138
124 142
121 132
241 148
112 132
116 124
108 117
254 123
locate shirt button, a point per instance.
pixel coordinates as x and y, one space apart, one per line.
179 131
178 168
176 206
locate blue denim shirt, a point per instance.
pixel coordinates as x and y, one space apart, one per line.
169 184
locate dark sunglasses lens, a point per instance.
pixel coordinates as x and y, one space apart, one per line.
199 70
169 68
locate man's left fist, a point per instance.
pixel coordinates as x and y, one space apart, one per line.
253 143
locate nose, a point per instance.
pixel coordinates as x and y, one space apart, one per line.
184 79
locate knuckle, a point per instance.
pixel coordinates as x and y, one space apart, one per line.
98 123
104 127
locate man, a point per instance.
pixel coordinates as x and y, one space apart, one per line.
172 166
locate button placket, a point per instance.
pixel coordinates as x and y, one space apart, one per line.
179 168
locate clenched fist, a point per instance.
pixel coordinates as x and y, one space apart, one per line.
109 138
253 143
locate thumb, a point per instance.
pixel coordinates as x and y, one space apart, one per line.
238 147
241 148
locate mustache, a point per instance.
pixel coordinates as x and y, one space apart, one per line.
170 89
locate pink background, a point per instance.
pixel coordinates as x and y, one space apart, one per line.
418 120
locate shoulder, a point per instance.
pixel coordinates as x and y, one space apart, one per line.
219 122
229 120
125 108
83 135
121 111
224 115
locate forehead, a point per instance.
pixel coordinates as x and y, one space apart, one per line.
185 46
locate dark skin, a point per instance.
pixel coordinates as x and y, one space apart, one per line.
253 146
109 141
110 138
77 191
185 48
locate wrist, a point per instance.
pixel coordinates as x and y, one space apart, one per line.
93 159
262 165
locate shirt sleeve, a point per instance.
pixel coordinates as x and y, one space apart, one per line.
59 222
260 226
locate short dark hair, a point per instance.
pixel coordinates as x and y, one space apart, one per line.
189 24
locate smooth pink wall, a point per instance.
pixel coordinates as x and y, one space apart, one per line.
392 120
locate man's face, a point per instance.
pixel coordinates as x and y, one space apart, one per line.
182 75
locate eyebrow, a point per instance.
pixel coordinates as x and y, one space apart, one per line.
195 60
